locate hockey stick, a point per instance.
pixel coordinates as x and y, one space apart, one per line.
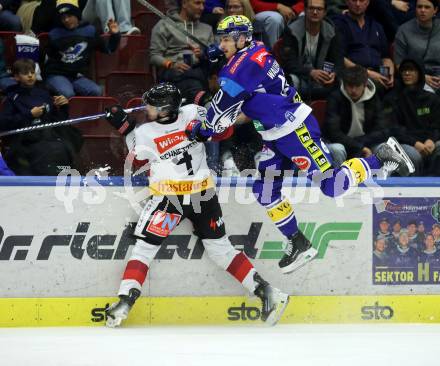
171 22
64 123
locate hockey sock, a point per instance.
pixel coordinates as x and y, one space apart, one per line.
243 270
137 267
351 173
134 276
281 213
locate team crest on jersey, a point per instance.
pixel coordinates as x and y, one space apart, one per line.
260 57
163 223
166 142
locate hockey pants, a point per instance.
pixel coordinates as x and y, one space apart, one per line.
304 150
160 217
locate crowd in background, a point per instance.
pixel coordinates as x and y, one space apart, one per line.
375 63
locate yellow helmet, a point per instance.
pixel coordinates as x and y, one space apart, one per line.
234 25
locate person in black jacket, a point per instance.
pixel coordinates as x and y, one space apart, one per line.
354 120
43 152
310 52
70 50
414 114
9 21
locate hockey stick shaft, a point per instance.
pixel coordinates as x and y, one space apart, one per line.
171 22
64 123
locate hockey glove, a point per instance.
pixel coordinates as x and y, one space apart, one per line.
194 131
119 119
214 53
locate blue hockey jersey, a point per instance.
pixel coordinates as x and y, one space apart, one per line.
252 82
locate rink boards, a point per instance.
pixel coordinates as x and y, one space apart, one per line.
63 248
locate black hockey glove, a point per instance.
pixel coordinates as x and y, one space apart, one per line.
119 119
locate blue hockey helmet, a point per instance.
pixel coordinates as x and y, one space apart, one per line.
235 25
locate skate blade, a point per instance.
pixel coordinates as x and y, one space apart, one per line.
397 147
277 313
302 259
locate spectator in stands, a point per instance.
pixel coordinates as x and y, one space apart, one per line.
430 254
178 59
310 52
420 38
363 42
9 21
71 49
44 152
5 78
214 10
380 256
106 10
240 7
354 119
272 16
403 255
415 116
40 16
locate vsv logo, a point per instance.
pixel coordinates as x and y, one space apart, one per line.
243 312
377 312
166 142
320 236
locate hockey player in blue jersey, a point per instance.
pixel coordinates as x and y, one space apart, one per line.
253 83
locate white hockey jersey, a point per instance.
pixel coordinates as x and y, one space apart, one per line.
177 166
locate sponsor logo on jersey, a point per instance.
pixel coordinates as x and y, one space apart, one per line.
237 63
166 142
176 187
163 223
260 57
214 224
302 162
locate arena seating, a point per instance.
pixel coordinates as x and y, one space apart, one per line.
103 145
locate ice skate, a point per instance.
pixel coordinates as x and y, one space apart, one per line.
118 311
274 301
394 158
299 251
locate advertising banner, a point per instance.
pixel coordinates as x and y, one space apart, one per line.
406 241
61 241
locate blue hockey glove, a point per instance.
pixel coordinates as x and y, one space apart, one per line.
194 131
214 53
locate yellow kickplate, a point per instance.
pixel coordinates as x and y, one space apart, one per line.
36 312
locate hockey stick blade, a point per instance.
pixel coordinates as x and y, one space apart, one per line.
64 123
171 22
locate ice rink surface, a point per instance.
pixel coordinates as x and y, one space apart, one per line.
302 345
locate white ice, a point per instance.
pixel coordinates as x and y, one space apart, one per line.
302 345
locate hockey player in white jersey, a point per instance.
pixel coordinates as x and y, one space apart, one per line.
179 178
